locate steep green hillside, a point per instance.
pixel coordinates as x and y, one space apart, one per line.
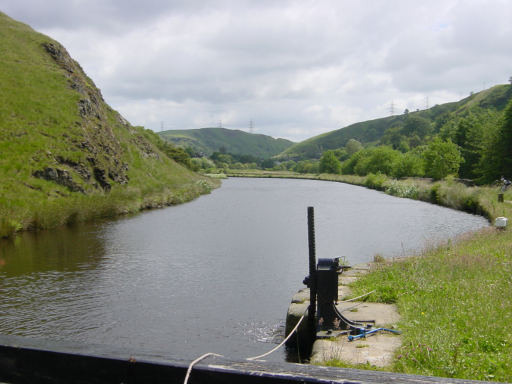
373 130
209 140
65 155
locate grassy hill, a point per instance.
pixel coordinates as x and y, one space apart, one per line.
209 140
372 130
65 155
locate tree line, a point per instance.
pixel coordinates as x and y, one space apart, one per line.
476 145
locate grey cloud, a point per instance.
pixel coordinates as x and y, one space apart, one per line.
471 38
102 14
296 68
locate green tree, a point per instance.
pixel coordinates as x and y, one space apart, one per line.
442 158
404 146
290 164
372 160
221 158
348 166
414 141
469 136
393 136
329 163
353 146
493 160
382 159
410 165
417 125
505 143
178 154
267 164
307 166
341 154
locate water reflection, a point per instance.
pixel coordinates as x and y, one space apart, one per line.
67 249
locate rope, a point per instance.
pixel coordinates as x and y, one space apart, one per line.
189 370
351 307
358 297
280 345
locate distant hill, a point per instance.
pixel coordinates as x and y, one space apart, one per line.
209 140
372 130
65 155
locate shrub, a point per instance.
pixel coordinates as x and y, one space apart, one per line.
410 164
376 181
435 195
400 189
329 163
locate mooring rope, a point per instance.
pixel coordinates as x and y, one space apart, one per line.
351 307
358 297
280 345
189 370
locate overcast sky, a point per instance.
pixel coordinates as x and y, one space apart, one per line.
295 68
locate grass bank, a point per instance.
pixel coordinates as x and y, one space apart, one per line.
455 300
61 207
65 155
456 307
449 193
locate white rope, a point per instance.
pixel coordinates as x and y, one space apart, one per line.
189 370
280 345
351 307
358 297
274 349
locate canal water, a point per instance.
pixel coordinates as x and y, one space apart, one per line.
213 275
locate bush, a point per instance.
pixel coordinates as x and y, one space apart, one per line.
329 163
409 165
399 189
376 181
372 160
307 166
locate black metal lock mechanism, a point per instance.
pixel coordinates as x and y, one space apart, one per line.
323 316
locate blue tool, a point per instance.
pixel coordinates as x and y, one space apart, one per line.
363 333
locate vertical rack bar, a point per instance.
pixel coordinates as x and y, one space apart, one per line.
312 272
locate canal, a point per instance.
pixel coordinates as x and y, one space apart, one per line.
213 275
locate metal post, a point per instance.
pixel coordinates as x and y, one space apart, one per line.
312 272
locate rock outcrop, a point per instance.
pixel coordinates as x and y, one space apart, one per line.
104 152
